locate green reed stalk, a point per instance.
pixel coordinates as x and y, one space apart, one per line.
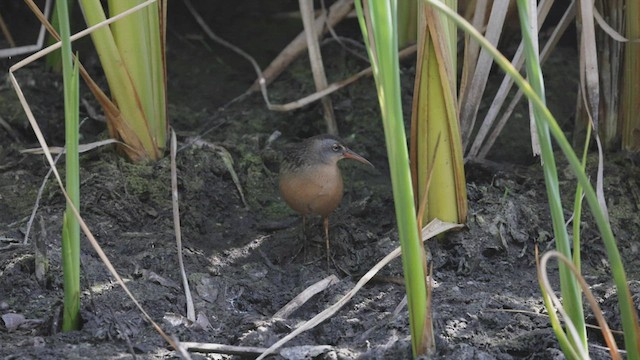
380 34
70 226
569 288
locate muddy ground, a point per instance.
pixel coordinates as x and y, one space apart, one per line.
242 260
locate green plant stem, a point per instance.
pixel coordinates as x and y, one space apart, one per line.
577 204
70 226
570 290
384 60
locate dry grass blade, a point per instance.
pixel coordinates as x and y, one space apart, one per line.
503 91
294 352
589 81
191 314
15 51
472 48
606 332
304 296
600 171
590 89
81 148
470 97
615 35
433 228
533 31
610 46
317 66
480 147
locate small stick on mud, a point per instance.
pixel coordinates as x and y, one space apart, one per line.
41 258
298 352
304 296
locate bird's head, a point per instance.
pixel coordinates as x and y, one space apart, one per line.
330 149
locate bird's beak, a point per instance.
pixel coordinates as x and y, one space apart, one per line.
350 154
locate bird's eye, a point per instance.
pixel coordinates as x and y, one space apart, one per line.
335 147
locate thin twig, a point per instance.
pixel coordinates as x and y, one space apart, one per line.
191 315
251 350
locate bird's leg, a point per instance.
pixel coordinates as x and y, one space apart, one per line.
325 222
303 237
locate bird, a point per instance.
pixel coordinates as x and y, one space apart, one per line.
310 180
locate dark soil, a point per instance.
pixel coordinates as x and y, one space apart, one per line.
243 262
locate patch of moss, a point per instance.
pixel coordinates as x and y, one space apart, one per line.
148 181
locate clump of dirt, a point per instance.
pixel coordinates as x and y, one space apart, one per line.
244 262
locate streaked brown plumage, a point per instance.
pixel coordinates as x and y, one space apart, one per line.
310 179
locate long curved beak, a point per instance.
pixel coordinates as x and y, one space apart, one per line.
350 154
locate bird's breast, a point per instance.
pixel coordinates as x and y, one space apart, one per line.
313 190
